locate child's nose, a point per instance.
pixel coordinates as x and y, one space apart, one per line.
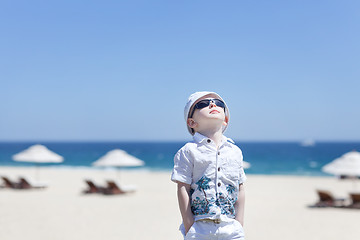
212 104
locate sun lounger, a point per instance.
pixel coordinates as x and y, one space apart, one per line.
355 201
326 199
114 188
28 183
10 184
92 187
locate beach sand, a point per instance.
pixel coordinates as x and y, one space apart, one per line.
276 208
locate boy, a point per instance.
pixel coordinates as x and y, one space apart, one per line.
209 173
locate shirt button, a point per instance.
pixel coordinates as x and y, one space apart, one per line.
218 169
219 184
209 141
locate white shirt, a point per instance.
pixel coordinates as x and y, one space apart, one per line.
213 174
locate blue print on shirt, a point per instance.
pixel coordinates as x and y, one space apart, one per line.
204 206
230 189
203 184
226 204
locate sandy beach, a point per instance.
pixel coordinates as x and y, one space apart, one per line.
276 208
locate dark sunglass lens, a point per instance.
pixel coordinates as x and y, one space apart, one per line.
220 103
202 104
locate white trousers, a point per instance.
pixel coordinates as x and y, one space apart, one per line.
201 230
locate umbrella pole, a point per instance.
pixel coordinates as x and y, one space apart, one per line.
119 178
36 171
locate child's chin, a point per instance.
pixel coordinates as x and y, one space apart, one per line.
216 121
216 116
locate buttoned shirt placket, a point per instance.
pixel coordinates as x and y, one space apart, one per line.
217 170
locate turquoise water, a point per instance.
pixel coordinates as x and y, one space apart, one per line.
283 158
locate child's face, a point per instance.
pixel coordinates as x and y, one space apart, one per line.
208 117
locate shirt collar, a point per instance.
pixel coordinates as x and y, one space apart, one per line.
199 138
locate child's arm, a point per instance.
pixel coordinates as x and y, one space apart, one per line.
183 193
240 204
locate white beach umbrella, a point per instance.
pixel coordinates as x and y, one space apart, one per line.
118 158
38 154
348 166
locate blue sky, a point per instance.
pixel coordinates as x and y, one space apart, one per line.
122 70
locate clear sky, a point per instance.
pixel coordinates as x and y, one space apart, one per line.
122 70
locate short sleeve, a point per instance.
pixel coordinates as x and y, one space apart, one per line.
183 166
242 177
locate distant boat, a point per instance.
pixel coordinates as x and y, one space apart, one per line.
308 143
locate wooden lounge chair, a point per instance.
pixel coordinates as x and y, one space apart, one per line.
113 188
29 183
355 201
92 187
10 184
326 199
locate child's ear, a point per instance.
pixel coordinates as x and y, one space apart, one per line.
191 123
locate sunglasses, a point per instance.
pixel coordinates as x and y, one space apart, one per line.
205 103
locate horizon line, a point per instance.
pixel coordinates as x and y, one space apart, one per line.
168 140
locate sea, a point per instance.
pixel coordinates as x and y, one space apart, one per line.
267 158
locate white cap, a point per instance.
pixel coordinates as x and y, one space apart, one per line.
193 98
